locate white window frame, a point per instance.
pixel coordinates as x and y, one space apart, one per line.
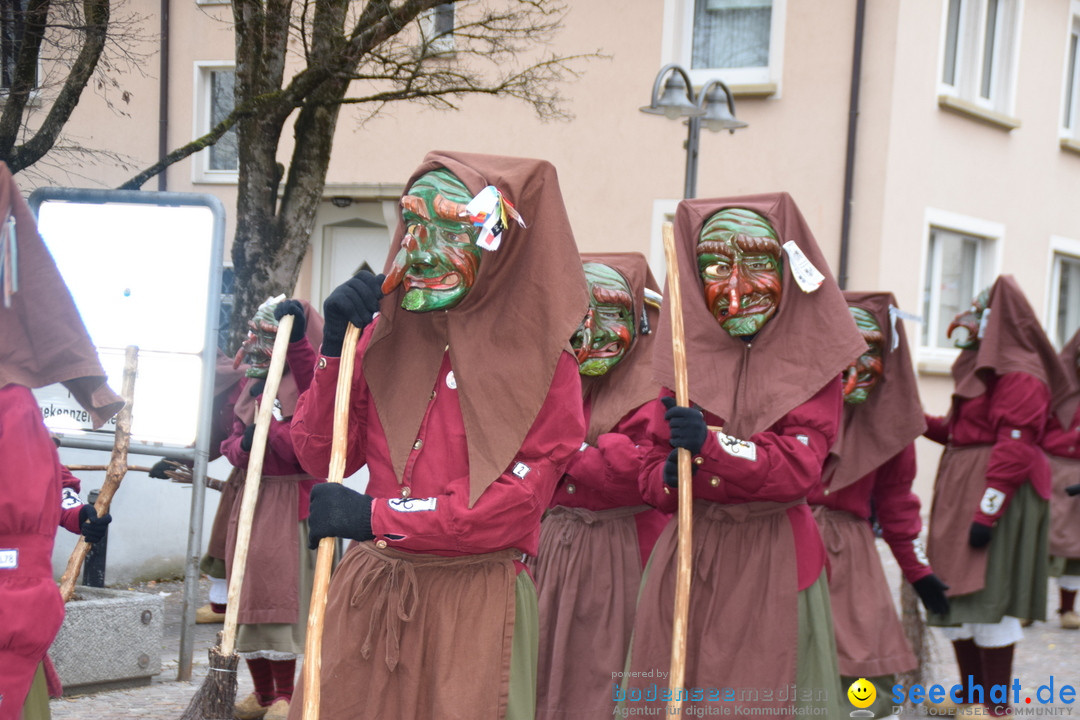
970 54
1061 248
200 166
1070 94
663 211
678 39
936 360
444 43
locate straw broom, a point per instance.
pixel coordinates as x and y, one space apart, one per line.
115 470
215 699
325 558
686 499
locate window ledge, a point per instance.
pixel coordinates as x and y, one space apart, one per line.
936 361
1070 145
970 109
754 89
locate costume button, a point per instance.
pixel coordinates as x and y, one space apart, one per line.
714 481
571 488
418 444
698 460
322 364
406 492
827 492
381 544
447 347
432 394
667 490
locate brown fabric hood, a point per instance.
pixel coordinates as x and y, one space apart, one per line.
42 336
1014 341
505 337
630 383
806 344
1068 359
892 417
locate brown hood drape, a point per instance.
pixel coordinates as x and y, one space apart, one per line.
42 336
806 344
892 416
1068 360
288 392
629 384
1014 341
505 337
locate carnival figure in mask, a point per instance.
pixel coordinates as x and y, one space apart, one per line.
278 576
598 532
767 336
1063 452
42 341
990 518
870 472
465 408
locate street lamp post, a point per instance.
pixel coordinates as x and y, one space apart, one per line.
713 106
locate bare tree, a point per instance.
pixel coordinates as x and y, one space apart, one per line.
354 53
51 51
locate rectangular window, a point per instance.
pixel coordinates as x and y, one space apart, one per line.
1070 122
979 52
215 85
956 271
737 41
437 25
1066 315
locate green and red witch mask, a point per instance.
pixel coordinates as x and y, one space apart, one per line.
971 321
739 260
439 258
259 344
607 332
866 372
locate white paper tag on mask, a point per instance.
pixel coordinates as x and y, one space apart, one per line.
735 447
484 210
806 275
983 322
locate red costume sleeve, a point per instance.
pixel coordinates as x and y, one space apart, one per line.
897 509
781 464
605 475
937 428
1019 407
70 502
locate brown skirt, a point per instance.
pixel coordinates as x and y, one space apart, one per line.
415 637
870 640
587 573
958 488
1064 509
743 630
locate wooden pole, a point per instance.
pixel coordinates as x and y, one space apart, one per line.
115 470
682 397
252 481
325 557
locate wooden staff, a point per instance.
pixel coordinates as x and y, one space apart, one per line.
686 499
325 558
115 471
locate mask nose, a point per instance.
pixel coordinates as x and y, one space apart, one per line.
737 289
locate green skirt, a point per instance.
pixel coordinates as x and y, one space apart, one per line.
1016 568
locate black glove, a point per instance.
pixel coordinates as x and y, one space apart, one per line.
354 301
979 535
932 593
248 439
1073 490
671 469
337 511
687 425
299 323
159 468
92 527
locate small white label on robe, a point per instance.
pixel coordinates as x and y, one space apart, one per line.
412 504
1015 434
451 381
9 559
806 275
983 322
584 445
521 470
276 410
920 551
991 501
735 447
804 439
69 499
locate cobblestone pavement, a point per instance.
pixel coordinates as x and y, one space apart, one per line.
1046 651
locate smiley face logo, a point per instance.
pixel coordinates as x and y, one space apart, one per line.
862 693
